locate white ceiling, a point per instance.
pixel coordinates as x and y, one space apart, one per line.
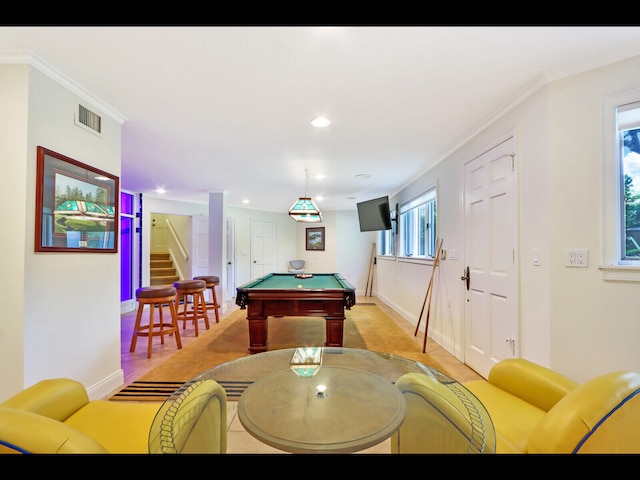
211 109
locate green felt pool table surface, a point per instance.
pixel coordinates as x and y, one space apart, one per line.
318 280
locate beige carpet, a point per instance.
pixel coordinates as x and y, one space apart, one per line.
366 326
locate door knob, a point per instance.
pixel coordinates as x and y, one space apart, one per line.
466 277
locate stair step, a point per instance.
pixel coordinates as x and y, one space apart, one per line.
162 271
159 272
164 280
161 264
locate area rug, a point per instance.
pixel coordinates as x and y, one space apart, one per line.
366 326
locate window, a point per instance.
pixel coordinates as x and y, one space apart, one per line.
387 240
622 187
628 131
418 227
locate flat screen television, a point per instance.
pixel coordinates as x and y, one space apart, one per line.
374 215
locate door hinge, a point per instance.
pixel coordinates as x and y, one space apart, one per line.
511 343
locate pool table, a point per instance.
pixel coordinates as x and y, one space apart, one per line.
283 294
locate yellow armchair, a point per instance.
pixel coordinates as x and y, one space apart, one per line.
56 416
441 418
537 410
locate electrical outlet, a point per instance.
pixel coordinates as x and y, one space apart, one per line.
582 257
576 257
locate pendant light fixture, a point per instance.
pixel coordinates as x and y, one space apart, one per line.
305 209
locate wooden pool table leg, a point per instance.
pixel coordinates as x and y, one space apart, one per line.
334 331
258 334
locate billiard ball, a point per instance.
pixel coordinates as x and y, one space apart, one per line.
299 286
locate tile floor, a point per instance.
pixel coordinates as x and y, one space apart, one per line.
136 364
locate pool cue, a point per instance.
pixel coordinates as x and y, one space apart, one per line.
370 273
426 325
435 263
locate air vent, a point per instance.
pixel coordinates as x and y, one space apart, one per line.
89 120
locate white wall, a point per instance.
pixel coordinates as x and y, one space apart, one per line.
595 324
347 250
17 191
151 205
570 319
63 316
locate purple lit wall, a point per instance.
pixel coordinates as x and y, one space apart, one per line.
126 246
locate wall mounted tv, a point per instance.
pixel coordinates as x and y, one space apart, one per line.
374 215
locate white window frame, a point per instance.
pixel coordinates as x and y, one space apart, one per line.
614 268
387 240
430 195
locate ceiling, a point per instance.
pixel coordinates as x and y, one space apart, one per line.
212 109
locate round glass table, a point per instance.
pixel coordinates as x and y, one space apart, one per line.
342 400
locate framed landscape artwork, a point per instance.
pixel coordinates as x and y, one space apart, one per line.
315 238
76 206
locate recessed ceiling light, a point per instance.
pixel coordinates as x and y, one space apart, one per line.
320 122
245 201
160 190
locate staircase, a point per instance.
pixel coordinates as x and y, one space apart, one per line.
162 271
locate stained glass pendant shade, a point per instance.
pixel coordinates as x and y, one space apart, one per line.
305 209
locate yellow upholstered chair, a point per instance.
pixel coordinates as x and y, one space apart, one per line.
537 410
441 418
56 416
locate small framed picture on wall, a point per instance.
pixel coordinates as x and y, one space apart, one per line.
315 238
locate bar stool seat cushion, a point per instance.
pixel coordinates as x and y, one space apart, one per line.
155 292
190 285
208 279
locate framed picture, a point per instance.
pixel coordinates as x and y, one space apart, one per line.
315 238
76 206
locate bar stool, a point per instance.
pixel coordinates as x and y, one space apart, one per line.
156 297
194 289
212 282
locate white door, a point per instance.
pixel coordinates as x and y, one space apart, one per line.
200 263
263 248
231 258
491 258
159 235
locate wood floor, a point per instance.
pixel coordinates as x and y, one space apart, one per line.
136 364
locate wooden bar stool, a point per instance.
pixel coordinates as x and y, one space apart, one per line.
156 297
194 289
211 282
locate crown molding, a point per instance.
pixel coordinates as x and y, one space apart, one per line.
30 58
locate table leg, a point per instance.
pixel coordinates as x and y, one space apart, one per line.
258 334
334 333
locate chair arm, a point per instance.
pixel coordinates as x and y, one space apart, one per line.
530 382
27 432
54 398
600 416
441 418
193 421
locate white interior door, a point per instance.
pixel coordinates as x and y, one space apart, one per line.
159 239
491 273
263 248
231 258
200 264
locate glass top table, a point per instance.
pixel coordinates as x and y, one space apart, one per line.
350 404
